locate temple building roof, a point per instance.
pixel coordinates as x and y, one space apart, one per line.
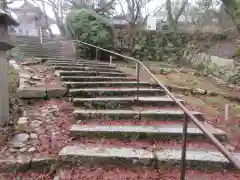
7 19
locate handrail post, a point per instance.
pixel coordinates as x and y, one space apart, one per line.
138 78
40 35
74 46
184 145
110 61
96 54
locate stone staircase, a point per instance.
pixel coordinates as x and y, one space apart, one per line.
112 127
32 47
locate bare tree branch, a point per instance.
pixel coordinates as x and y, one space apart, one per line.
121 5
152 12
172 21
182 8
169 11
109 4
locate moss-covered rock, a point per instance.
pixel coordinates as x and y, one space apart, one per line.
237 54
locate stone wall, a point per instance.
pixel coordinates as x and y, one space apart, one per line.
220 61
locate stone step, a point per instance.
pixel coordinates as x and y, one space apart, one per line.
93 92
61 61
79 61
74 68
164 132
166 114
123 102
91 73
93 61
93 155
128 122
103 84
94 78
146 143
83 65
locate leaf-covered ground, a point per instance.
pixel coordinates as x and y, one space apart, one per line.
46 130
114 173
25 176
140 174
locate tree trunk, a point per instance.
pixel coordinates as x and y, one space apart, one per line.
61 29
50 31
132 34
3 5
60 24
173 20
47 27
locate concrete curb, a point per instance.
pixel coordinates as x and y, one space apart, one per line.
25 163
41 92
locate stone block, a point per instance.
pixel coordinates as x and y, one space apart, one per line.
90 65
106 84
213 93
22 121
168 114
17 164
104 103
116 92
42 163
57 73
22 83
82 114
56 92
164 132
95 78
31 92
199 91
84 155
161 114
108 156
75 68
91 73
201 159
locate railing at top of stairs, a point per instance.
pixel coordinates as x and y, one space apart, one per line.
188 115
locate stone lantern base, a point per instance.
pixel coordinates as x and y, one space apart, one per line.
4 97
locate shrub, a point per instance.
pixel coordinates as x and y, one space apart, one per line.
87 26
237 54
234 77
156 46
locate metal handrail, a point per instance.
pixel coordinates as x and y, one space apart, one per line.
188 115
